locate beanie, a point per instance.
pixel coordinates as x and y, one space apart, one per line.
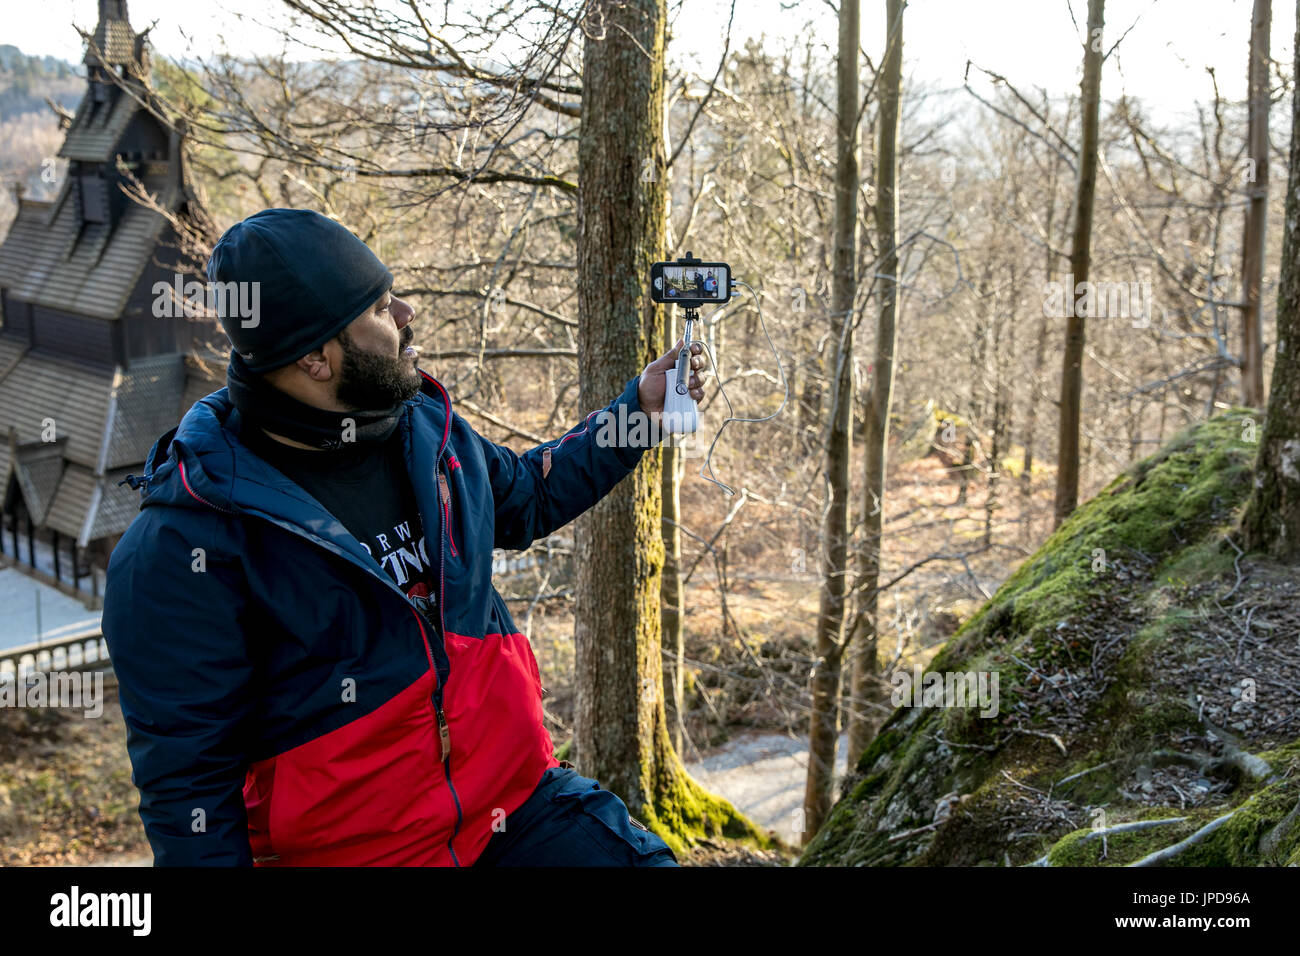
313 277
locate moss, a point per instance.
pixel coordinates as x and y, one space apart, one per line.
1235 843
684 814
883 743
1149 511
1083 848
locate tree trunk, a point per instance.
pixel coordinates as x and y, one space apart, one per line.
1252 259
1067 465
1272 518
823 732
862 724
620 725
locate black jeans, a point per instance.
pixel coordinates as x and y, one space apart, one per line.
570 821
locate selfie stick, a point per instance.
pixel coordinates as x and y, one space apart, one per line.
681 416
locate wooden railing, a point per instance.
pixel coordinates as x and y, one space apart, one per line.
85 650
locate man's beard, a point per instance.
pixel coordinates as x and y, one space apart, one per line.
372 381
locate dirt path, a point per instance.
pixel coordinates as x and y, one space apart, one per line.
763 775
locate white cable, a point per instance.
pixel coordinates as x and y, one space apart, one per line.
731 411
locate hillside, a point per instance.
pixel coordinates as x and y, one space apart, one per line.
29 129
1147 672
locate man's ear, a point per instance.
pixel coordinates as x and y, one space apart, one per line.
316 365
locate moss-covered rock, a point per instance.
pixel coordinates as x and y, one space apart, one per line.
1111 677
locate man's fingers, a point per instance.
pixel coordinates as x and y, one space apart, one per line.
668 360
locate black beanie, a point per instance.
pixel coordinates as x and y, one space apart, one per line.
314 277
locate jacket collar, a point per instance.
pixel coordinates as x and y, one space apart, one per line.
202 464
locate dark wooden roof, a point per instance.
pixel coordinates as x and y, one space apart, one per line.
38 469
76 398
104 427
87 507
50 259
202 378
145 403
113 37
92 138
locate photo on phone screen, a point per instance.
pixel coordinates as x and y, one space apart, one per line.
695 282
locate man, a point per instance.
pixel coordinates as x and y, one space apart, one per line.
314 667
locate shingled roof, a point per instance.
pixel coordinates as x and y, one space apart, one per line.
75 398
92 136
105 264
144 404
87 507
113 39
103 429
38 469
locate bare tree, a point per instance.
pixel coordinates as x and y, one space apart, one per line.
1067 468
823 732
1252 258
1272 519
880 399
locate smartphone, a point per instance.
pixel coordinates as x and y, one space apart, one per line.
690 283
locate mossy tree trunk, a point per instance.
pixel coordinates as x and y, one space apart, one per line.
862 724
621 729
1067 462
1272 518
823 732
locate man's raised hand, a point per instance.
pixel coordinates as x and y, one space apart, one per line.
650 391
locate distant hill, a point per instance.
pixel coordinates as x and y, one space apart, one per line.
29 129
25 82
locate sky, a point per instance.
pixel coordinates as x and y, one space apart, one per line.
1034 43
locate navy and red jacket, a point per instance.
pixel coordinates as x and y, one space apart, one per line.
285 702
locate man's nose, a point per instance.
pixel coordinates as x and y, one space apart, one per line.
402 313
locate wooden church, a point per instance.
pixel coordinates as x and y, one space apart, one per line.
90 374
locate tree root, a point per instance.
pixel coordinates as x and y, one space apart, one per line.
1233 759
1170 852
1118 828
1274 837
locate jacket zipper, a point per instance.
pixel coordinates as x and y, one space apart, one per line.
443 731
444 734
444 492
197 497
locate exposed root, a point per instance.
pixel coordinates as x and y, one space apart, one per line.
1171 852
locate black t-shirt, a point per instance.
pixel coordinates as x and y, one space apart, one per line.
367 488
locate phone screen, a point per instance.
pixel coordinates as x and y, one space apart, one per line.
695 282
